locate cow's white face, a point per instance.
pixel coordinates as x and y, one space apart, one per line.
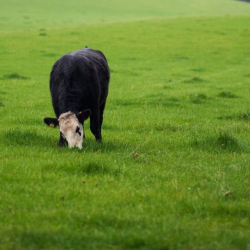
71 129
70 126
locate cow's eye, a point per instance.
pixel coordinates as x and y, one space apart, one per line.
78 130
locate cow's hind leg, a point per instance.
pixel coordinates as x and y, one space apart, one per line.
95 126
101 113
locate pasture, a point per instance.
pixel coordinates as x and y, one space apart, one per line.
173 169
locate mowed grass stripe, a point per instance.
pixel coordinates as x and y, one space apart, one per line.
173 169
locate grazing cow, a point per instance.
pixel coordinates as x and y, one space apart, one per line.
79 88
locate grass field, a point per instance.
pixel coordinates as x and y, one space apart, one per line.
173 171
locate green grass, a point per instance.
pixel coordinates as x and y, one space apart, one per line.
25 15
173 169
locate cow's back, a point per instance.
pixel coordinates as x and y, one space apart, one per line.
82 75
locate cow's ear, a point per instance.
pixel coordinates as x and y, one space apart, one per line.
84 115
52 122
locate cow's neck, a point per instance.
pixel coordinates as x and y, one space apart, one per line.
69 105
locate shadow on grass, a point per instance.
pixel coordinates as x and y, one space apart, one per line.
97 167
84 238
14 76
224 142
50 55
47 54
127 103
94 168
168 127
89 167
111 230
90 145
240 117
227 94
53 240
42 33
91 160
198 69
26 138
198 98
195 80
31 138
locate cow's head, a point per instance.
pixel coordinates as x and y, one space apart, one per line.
70 126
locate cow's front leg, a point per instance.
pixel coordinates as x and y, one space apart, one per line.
62 142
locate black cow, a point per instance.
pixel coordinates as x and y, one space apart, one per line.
79 87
